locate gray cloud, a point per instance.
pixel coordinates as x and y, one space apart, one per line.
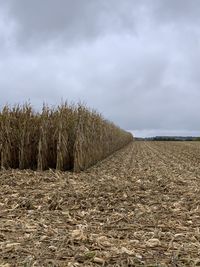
178 11
135 61
69 21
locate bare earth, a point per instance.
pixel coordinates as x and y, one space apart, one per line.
139 207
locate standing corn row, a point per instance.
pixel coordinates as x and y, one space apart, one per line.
68 137
10 133
48 136
96 139
28 141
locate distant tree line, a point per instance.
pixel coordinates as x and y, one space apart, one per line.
169 138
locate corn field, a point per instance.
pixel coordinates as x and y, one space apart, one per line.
68 137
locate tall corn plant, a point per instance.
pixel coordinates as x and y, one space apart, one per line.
66 137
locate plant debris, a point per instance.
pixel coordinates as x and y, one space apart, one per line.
139 207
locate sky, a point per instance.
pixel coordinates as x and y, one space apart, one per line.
136 61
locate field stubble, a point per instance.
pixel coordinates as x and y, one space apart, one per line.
139 207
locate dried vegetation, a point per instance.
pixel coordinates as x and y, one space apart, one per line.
139 207
62 138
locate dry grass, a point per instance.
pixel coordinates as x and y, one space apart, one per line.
63 138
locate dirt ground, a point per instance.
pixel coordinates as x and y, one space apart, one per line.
139 207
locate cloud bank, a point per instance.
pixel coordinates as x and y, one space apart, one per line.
137 62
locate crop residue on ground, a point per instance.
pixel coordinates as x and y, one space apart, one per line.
139 207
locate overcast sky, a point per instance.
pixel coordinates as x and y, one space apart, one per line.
135 61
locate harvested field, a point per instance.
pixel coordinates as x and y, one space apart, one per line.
139 207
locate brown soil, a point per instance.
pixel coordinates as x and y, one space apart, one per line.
139 207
